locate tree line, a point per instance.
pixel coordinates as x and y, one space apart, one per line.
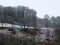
49 21
19 15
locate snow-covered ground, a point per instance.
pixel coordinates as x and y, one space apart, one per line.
12 25
41 37
44 33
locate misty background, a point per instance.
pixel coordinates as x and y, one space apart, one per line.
50 7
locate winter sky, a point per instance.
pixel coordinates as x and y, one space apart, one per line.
50 7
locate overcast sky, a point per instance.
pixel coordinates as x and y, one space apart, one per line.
50 7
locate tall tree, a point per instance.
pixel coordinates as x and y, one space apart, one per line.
46 20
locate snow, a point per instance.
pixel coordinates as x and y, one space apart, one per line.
12 25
